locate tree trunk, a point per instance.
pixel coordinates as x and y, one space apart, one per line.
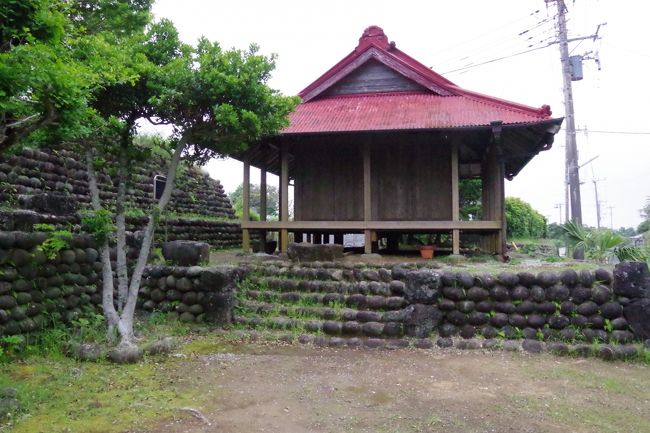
120 222
108 306
125 325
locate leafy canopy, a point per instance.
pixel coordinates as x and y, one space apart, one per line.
54 56
272 200
522 220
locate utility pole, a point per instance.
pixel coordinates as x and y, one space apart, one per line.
595 181
559 206
571 154
572 177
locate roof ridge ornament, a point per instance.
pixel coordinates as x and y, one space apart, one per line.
374 35
545 110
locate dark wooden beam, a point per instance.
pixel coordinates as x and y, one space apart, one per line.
413 226
284 194
246 240
455 198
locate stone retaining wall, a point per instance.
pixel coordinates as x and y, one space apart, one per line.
219 234
50 187
193 294
36 292
35 171
356 300
567 306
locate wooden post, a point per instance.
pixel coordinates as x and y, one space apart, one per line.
493 194
263 194
284 195
246 238
455 198
367 203
367 241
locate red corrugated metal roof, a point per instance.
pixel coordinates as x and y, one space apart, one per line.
399 111
446 106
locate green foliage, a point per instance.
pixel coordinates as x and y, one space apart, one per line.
44 227
221 98
522 220
599 245
555 231
643 227
9 346
272 200
625 231
469 194
89 328
57 241
53 57
628 253
99 224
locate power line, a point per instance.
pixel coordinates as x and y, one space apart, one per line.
533 34
597 131
493 30
497 59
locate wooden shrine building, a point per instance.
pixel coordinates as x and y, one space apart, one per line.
378 146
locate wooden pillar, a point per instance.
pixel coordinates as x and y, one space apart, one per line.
493 197
367 203
455 198
284 195
246 199
263 195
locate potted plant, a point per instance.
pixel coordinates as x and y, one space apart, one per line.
426 251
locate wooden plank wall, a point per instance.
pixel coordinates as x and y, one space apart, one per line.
328 180
411 179
374 77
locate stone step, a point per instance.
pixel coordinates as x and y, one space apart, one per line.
357 300
603 351
328 327
321 313
325 271
314 286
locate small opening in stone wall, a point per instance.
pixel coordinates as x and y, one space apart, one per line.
159 182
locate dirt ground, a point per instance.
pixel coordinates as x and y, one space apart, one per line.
290 389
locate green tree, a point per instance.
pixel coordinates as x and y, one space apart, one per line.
522 220
645 213
625 231
53 56
554 231
643 227
272 200
469 194
217 101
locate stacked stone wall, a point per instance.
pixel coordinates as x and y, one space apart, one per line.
32 172
36 292
359 301
49 187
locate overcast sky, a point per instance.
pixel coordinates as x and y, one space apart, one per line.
454 38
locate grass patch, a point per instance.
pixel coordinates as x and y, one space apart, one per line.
60 394
63 395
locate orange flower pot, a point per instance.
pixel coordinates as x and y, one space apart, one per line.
426 251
